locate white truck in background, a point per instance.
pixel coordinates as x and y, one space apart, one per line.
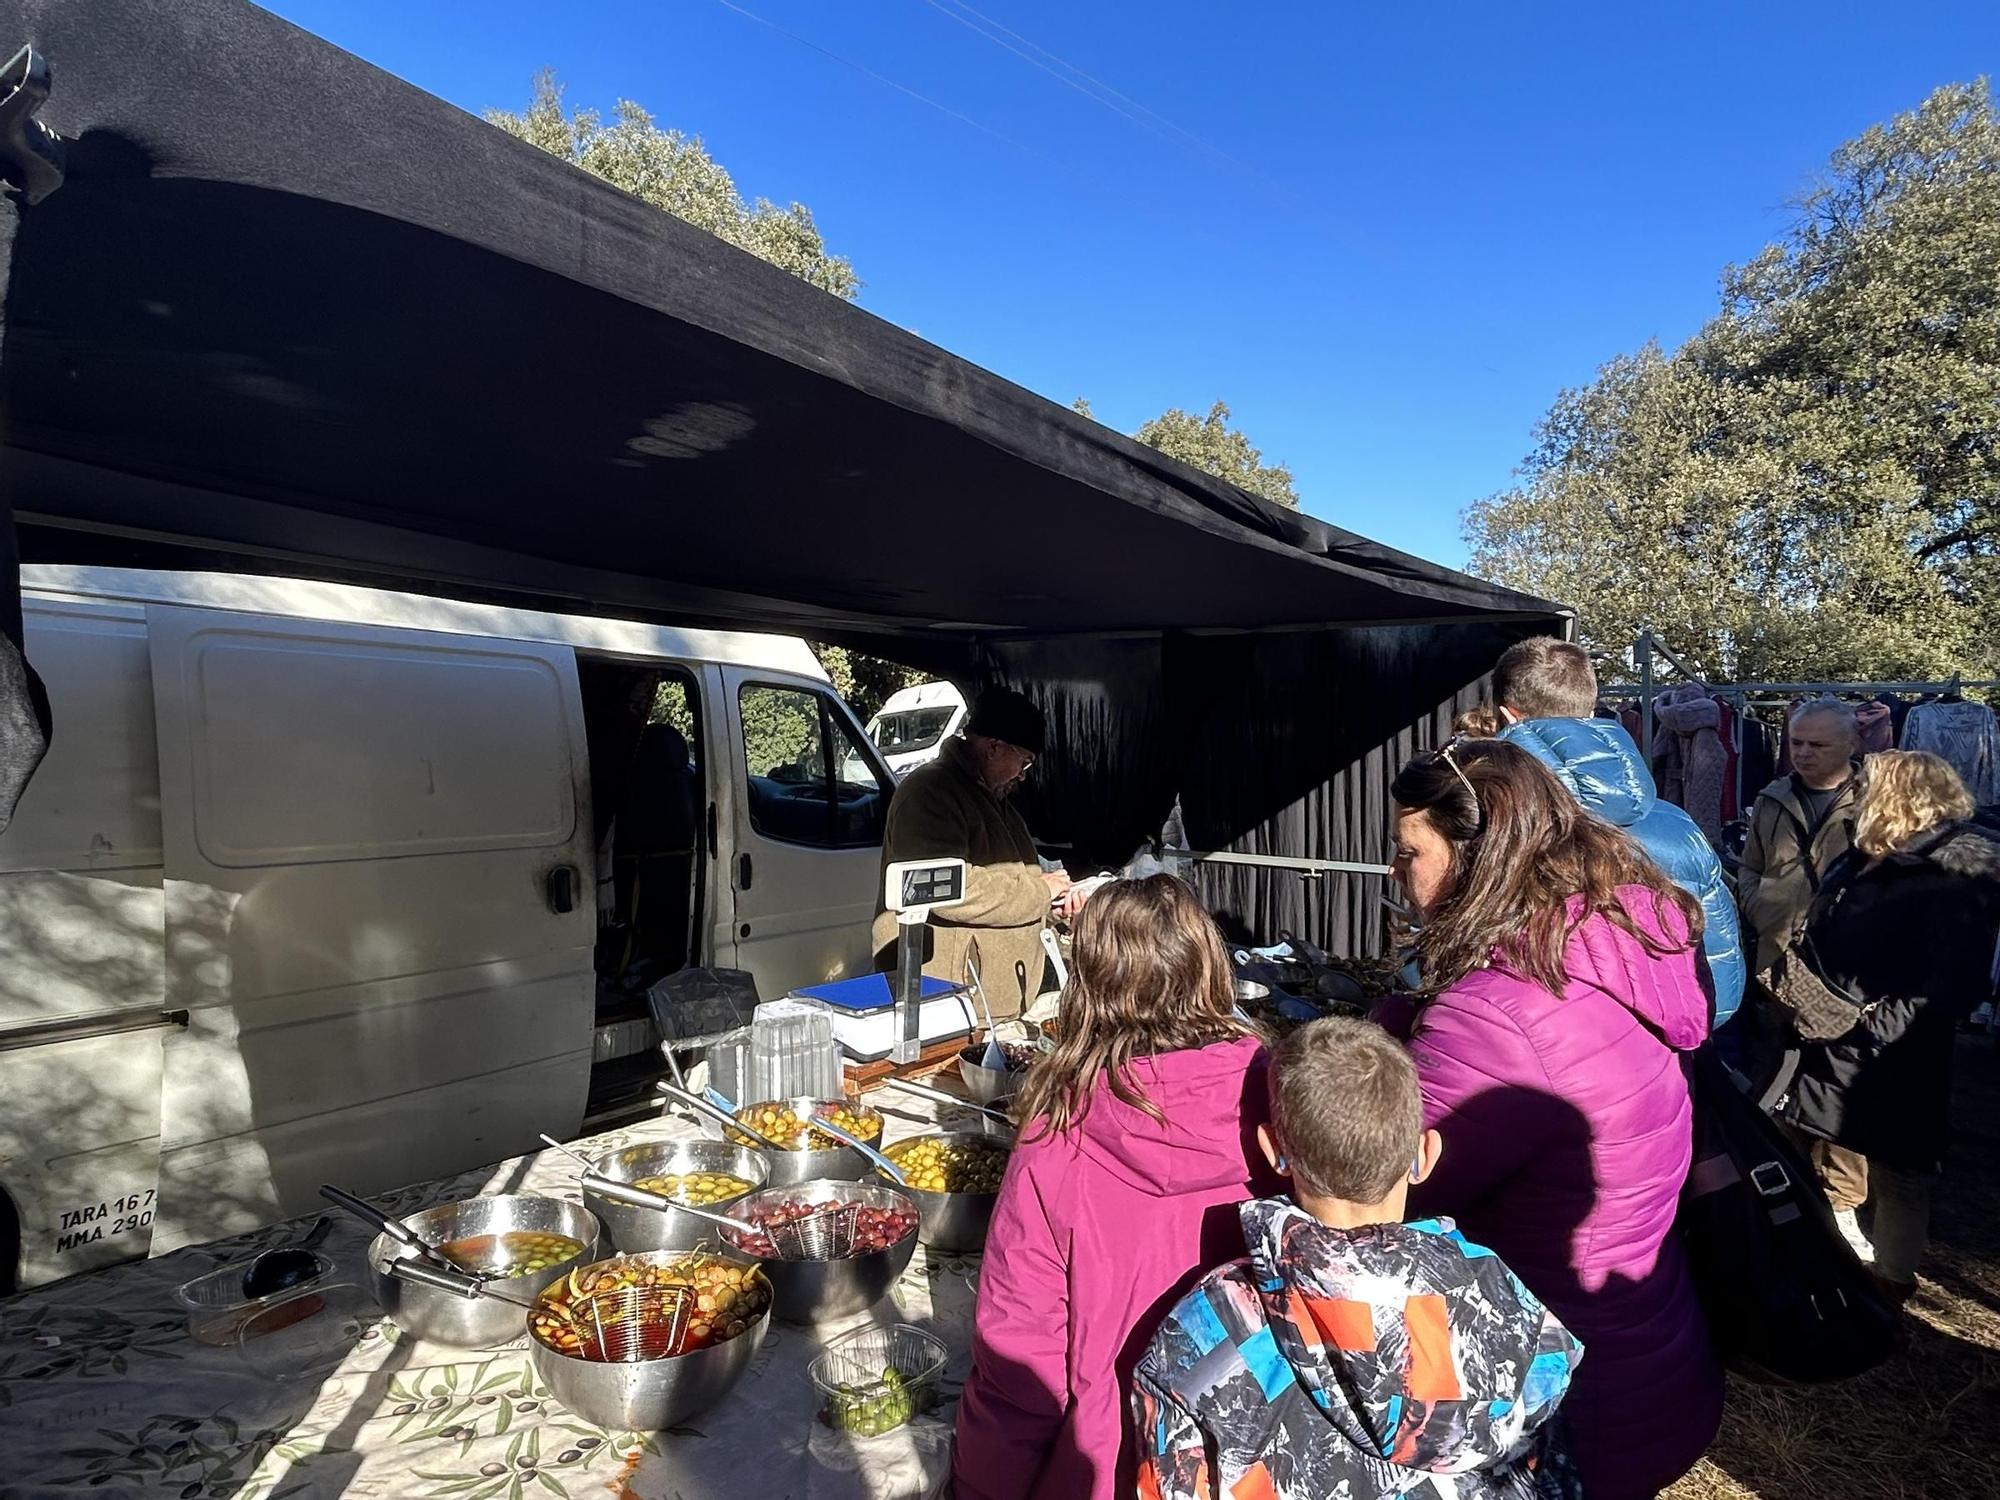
914 723
322 883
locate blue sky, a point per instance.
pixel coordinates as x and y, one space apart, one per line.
1385 238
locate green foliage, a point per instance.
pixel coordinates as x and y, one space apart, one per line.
1807 488
674 172
865 682
1210 444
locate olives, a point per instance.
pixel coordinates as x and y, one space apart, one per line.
876 1408
932 1165
610 1313
782 1124
874 1228
697 1189
516 1252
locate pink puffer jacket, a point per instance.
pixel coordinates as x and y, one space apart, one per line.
1097 1234
1567 1134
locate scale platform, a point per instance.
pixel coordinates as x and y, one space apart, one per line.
864 1013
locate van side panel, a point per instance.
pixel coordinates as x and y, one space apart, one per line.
81 952
361 827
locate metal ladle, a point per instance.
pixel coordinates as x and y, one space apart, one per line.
727 1120
440 1273
922 1091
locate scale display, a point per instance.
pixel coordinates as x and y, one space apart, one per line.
921 884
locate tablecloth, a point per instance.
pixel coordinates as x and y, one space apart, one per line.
102 1391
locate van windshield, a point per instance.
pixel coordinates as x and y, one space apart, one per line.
909 729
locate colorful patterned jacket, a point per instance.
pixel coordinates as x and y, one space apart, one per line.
1396 1360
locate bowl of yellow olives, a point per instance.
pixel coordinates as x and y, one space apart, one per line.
702 1174
954 1177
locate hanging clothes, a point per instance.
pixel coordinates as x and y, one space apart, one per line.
1694 718
1966 735
1899 710
1876 726
1731 734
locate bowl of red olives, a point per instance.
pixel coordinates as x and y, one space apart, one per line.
810 1291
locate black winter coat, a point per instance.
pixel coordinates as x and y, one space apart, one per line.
1914 934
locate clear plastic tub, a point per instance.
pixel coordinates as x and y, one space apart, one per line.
858 1394
792 1053
217 1309
305 1334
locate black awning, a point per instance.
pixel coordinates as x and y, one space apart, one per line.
288 312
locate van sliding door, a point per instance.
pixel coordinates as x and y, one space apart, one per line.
377 917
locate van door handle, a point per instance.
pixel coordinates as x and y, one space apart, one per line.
743 872
562 890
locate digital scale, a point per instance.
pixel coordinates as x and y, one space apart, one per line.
877 1016
867 1022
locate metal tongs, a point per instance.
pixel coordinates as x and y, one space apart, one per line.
426 1267
923 1091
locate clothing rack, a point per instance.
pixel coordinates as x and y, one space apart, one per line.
1648 651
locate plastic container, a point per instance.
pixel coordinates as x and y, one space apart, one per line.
858 1394
306 1334
792 1053
217 1309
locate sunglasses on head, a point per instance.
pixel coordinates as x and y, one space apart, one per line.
1444 753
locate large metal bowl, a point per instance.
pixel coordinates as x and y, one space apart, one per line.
635 1229
478 1322
842 1163
812 1291
951 1222
648 1395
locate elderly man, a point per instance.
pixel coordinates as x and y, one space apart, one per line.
1801 824
957 806
1547 690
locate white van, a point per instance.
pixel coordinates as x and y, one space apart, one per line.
914 724
326 884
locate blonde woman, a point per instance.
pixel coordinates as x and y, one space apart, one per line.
1905 923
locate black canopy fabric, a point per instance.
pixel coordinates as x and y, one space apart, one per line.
288 313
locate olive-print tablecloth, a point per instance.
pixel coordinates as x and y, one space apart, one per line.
103 1393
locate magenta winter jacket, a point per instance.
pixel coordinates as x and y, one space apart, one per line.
1567 1134
1097 1234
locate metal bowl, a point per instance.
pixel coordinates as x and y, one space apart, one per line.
812 1291
986 1084
636 1229
842 1163
952 1222
650 1394
477 1322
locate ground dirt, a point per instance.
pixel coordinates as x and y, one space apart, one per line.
1926 1426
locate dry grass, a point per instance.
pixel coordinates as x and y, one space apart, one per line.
1926 1426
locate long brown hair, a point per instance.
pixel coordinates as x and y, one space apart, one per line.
1522 849
1149 973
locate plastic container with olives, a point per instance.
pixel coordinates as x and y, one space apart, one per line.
873 1380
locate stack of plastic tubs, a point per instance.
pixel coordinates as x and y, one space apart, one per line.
792 1053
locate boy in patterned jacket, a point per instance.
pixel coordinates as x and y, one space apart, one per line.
1352 1356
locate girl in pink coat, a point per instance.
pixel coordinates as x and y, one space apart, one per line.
1137 1147
1562 978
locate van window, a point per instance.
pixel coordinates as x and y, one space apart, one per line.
799 793
909 729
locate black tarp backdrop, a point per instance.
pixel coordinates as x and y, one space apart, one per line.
290 314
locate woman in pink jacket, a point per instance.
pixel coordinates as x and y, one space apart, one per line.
1562 981
1138 1143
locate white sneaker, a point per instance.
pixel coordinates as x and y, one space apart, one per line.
1850 1230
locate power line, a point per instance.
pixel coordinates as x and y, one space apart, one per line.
1124 104
901 88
